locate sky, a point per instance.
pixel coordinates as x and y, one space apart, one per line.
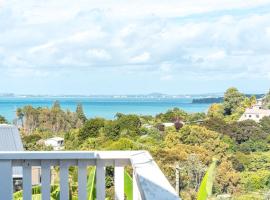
134 47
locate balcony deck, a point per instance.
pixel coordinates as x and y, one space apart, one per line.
149 183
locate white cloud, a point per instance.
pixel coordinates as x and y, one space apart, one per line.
176 37
99 54
166 77
145 56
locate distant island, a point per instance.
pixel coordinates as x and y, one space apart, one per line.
210 100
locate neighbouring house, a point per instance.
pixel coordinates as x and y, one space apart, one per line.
57 143
256 112
10 140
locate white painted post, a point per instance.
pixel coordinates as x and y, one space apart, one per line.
27 181
82 179
64 186
136 193
100 180
45 179
119 181
6 180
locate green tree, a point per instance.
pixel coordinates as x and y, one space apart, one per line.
80 113
232 100
173 115
20 115
245 130
112 129
265 124
91 128
3 120
129 124
266 101
216 110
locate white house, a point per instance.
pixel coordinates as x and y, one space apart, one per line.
57 143
256 112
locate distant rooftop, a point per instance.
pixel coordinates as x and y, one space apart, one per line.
10 140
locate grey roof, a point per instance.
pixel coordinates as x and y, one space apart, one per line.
10 140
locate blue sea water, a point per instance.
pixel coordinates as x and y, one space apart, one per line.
102 107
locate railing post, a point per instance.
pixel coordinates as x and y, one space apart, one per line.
119 180
64 180
82 179
100 180
6 180
27 181
136 191
45 179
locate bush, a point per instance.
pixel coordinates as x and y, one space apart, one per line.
258 180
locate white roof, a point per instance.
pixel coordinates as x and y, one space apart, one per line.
257 111
168 124
55 139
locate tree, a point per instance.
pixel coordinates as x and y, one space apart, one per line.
20 115
128 124
232 100
80 113
112 130
266 101
173 115
196 135
216 110
245 130
265 124
3 120
91 128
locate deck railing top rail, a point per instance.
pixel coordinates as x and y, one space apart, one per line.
148 180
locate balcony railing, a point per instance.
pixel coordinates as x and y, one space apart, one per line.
149 183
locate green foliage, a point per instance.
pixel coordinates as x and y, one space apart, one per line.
91 128
206 186
45 119
91 183
172 115
80 113
232 100
256 180
216 110
112 130
266 101
193 134
254 161
253 145
124 144
3 120
245 130
265 124
128 186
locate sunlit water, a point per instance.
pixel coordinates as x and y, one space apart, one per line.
102 107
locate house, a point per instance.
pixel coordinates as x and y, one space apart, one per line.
10 140
256 112
57 143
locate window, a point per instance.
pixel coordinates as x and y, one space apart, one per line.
250 116
257 116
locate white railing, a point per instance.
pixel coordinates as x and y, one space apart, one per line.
149 183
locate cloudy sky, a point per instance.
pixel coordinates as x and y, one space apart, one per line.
134 47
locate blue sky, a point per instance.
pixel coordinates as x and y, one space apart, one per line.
134 47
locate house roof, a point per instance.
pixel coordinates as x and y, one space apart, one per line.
55 139
10 140
257 111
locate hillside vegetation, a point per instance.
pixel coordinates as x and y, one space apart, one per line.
241 148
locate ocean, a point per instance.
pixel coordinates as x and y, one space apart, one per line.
102 107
